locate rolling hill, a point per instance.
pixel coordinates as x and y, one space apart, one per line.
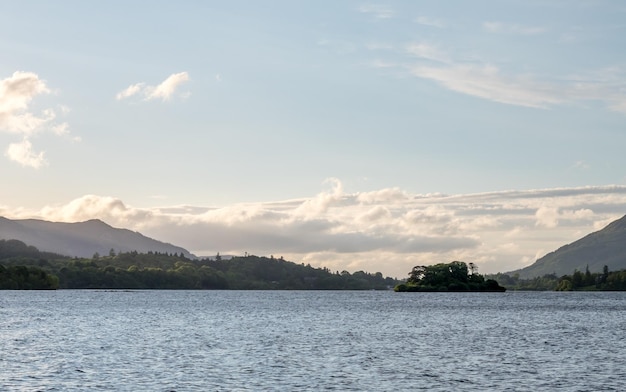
604 247
82 239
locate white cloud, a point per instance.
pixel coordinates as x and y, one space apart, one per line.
428 51
23 154
17 116
16 94
96 207
486 81
131 90
163 91
547 216
389 230
167 88
380 11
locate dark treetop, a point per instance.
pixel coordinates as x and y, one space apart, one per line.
454 276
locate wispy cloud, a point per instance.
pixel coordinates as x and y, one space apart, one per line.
508 28
428 51
486 81
388 230
380 11
379 46
17 116
131 90
163 91
489 82
430 22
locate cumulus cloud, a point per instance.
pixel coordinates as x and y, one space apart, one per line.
23 154
16 94
389 230
106 208
17 116
163 91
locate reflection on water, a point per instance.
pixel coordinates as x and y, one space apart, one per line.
284 340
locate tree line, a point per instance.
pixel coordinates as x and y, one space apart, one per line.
153 270
577 281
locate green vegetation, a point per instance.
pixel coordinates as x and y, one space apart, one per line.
577 281
133 270
26 278
454 276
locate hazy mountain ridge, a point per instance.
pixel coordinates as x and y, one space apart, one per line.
595 250
82 239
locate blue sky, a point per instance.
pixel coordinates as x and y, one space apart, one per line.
253 125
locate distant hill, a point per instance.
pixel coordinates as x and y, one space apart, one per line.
604 247
82 239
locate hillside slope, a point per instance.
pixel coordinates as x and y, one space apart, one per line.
82 239
604 247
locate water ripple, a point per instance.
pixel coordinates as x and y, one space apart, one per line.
332 341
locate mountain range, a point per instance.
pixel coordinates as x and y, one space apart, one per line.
594 251
82 239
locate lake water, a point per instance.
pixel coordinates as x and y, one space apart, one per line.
71 340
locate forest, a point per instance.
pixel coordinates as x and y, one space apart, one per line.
24 267
577 281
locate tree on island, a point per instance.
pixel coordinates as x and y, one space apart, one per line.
454 276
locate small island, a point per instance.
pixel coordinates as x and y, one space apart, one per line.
455 276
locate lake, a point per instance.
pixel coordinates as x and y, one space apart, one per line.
71 340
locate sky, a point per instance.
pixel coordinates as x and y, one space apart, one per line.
352 135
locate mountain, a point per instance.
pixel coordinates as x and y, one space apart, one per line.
82 239
604 247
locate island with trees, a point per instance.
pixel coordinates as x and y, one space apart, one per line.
454 276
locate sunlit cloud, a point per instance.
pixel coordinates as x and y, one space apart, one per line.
387 230
163 91
131 90
16 94
23 154
17 116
